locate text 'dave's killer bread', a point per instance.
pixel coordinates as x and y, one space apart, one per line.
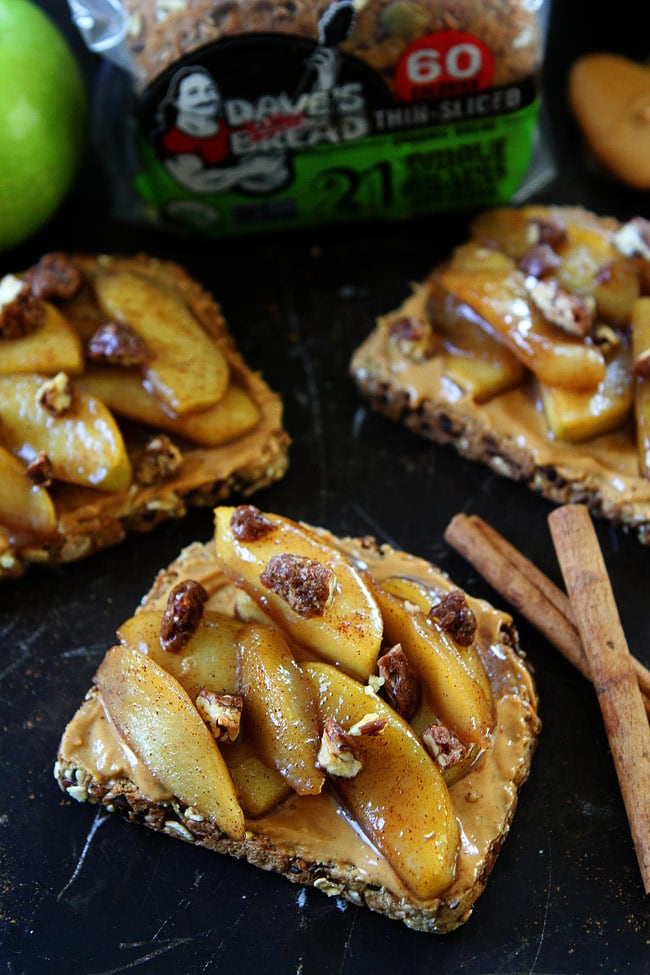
331 709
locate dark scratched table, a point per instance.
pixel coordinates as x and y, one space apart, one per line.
82 892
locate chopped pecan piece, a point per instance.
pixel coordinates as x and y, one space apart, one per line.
40 470
604 273
633 239
221 712
369 725
56 395
561 308
159 460
415 338
400 682
443 746
607 339
455 617
338 754
182 615
547 230
20 312
539 261
248 523
307 586
54 276
118 344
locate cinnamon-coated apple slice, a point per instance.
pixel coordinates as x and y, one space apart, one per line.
336 616
23 505
52 347
84 444
590 266
156 718
259 786
280 710
122 390
399 797
208 661
185 368
503 305
419 594
455 695
577 415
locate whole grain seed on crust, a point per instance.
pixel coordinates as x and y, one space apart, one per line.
183 613
305 585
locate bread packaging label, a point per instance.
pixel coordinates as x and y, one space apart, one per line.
246 116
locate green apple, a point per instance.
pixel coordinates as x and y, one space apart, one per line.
43 112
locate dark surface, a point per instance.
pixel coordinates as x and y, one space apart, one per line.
85 893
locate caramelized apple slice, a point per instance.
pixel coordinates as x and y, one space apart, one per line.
455 696
53 347
259 787
479 363
399 797
208 661
123 392
23 505
574 415
590 265
501 302
506 228
247 610
345 629
185 368
84 444
281 715
420 595
158 721
641 368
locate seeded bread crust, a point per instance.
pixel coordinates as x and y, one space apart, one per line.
92 520
338 879
478 441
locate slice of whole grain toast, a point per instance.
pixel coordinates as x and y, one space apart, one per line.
314 839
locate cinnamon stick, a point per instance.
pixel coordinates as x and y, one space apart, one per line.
528 590
587 582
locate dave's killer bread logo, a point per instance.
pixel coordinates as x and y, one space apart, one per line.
232 116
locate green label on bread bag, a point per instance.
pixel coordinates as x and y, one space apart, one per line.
271 130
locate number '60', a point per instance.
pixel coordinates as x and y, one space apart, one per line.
460 62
